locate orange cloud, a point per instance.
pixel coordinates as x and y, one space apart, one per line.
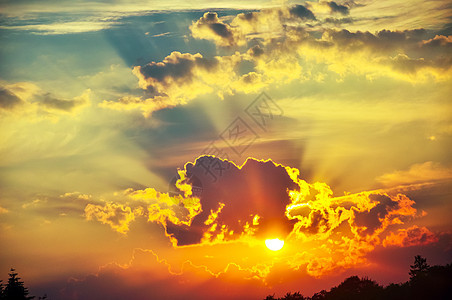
241 206
412 236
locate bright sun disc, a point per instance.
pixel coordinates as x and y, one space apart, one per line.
274 244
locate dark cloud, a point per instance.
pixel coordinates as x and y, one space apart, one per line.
257 188
409 65
302 12
27 98
382 41
439 41
371 220
248 16
256 51
221 30
48 101
210 26
338 8
176 67
8 100
407 51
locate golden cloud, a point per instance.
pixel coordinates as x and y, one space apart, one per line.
117 216
280 48
244 205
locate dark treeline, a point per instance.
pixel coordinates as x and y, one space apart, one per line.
426 282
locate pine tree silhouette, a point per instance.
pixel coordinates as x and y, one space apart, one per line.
15 289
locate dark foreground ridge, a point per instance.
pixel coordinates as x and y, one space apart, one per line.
426 282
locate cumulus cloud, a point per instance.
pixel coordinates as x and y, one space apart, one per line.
176 69
210 27
220 203
245 26
284 44
181 77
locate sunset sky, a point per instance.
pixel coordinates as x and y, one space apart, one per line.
149 149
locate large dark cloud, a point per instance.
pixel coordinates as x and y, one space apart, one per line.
257 188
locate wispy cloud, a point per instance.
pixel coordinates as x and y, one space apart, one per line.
63 27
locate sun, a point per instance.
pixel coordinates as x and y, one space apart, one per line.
274 244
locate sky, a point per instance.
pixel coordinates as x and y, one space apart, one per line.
149 149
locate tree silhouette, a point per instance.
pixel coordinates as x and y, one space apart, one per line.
294 296
15 289
420 267
319 295
356 288
426 282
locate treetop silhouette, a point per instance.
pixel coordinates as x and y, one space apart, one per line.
425 282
